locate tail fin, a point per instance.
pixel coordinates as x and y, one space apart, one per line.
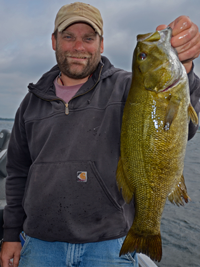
150 245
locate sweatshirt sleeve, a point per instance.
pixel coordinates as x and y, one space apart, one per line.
194 84
18 164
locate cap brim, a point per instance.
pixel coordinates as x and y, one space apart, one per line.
70 21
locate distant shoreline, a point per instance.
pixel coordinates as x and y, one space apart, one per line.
2 119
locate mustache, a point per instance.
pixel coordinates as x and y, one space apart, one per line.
78 55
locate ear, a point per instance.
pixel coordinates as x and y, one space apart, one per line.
53 39
102 46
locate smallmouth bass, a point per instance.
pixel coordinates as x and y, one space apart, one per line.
153 139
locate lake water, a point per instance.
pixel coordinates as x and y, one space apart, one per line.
180 226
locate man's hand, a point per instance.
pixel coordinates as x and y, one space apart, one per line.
10 250
185 39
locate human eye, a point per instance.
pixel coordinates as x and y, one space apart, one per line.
89 39
67 36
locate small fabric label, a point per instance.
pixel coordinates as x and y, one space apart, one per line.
82 176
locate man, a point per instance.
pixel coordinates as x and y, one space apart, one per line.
64 149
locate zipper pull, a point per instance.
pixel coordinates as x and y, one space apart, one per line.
66 109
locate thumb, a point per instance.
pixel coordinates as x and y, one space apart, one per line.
161 27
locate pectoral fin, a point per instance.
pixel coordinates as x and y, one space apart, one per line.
171 112
122 182
179 193
192 114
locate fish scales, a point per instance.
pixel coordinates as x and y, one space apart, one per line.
153 140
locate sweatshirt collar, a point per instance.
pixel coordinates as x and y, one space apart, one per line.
44 88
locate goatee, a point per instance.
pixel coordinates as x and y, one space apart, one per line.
74 69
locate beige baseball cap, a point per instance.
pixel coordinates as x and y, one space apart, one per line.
79 12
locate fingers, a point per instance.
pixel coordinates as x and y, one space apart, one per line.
16 260
161 27
185 39
190 41
189 54
5 263
189 50
10 254
180 24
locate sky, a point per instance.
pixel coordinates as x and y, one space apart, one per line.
26 28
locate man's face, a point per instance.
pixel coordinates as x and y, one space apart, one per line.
78 50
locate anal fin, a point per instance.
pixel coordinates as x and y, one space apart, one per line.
192 114
179 193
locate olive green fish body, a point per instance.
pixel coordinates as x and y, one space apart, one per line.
153 140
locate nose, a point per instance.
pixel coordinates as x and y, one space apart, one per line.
78 45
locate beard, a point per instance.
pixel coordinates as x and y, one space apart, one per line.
74 69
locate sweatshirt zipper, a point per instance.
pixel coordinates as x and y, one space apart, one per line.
66 108
92 86
67 104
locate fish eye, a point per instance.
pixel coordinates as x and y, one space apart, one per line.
142 56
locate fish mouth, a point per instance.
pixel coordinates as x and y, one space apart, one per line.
170 86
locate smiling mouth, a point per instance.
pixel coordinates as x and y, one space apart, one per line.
78 57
